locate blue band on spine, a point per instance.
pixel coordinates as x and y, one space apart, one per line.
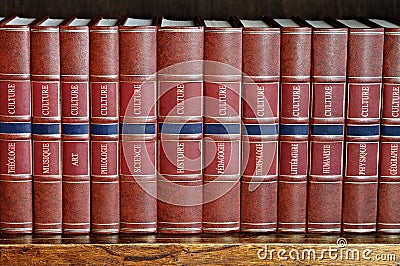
215 129
388 130
267 130
75 129
293 130
104 129
327 130
137 129
15 128
46 129
175 129
368 130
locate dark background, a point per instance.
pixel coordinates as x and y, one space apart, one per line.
181 9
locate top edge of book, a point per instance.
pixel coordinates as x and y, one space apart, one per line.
247 23
51 22
319 24
79 22
286 22
136 22
385 23
177 23
217 23
353 23
18 21
107 22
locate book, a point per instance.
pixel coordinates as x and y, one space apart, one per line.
222 125
294 125
15 127
180 46
46 126
138 122
329 57
388 196
364 82
104 125
74 68
260 118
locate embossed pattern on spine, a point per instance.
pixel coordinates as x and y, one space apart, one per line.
46 126
389 185
138 127
222 128
15 127
104 125
74 52
364 77
329 57
260 118
294 128
180 127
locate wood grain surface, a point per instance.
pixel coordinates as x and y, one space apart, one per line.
235 249
207 8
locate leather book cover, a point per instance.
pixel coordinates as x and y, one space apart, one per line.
389 176
74 67
180 48
104 126
138 125
260 118
15 127
364 77
294 125
46 126
329 57
222 125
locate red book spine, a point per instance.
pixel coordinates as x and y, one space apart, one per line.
294 128
74 53
138 121
46 128
260 116
222 129
329 57
364 77
104 128
180 117
389 183
15 129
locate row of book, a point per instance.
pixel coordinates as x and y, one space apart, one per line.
156 125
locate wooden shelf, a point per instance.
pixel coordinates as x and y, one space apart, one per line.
234 249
